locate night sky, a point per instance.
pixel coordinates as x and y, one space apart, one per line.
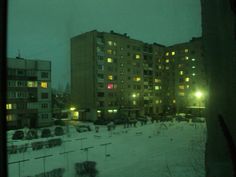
41 29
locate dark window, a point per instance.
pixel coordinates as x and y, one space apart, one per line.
44 95
44 105
44 74
100 94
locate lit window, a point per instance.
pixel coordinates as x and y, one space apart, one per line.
167 60
114 110
181 72
172 53
157 88
9 118
186 57
137 79
8 106
134 102
187 86
109 51
110 110
187 79
159 67
167 67
109 43
167 53
186 50
109 60
157 101
160 101
114 44
110 77
98 111
181 87
193 59
137 56
194 74
181 93
109 86
32 84
193 67
44 85
174 101
157 80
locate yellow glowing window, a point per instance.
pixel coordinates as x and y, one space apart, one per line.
193 67
167 60
187 86
172 53
134 102
194 74
109 51
187 79
44 85
109 60
157 101
186 50
137 79
137 56
167 53
9 118
181 93
32 84
174 101
159 67
110 77
110 110
157 88
114 44
186 57
114 110
167 67
8 106
157 80
160 101
98 111
193 59
181 87
181 72
109 43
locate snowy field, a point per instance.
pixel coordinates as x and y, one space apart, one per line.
152 150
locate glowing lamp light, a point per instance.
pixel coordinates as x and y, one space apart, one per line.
134 95
72 108
198 94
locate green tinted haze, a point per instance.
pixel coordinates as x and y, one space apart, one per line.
41 29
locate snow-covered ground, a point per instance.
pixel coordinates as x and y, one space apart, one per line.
153 150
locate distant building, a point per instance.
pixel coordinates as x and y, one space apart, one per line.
28 93
114 75
190 75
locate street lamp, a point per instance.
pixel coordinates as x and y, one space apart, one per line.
198 94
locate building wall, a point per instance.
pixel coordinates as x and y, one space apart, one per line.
28 93
218 23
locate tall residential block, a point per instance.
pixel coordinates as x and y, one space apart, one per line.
114 75
28 93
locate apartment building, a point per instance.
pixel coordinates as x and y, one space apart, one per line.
28 93
189 75
112 74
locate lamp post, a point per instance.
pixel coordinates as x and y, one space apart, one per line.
199 95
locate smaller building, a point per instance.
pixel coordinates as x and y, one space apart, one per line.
28 93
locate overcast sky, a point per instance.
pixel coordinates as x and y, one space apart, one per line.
41 29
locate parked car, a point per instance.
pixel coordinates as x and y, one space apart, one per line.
101 121
31 134
18 135
83 128
58 131
46 133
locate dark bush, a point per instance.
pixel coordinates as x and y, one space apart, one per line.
87 168
31 134
58 131
18 135
46 133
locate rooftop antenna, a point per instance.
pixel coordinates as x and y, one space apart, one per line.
18 56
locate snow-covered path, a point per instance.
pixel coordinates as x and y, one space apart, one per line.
145 151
